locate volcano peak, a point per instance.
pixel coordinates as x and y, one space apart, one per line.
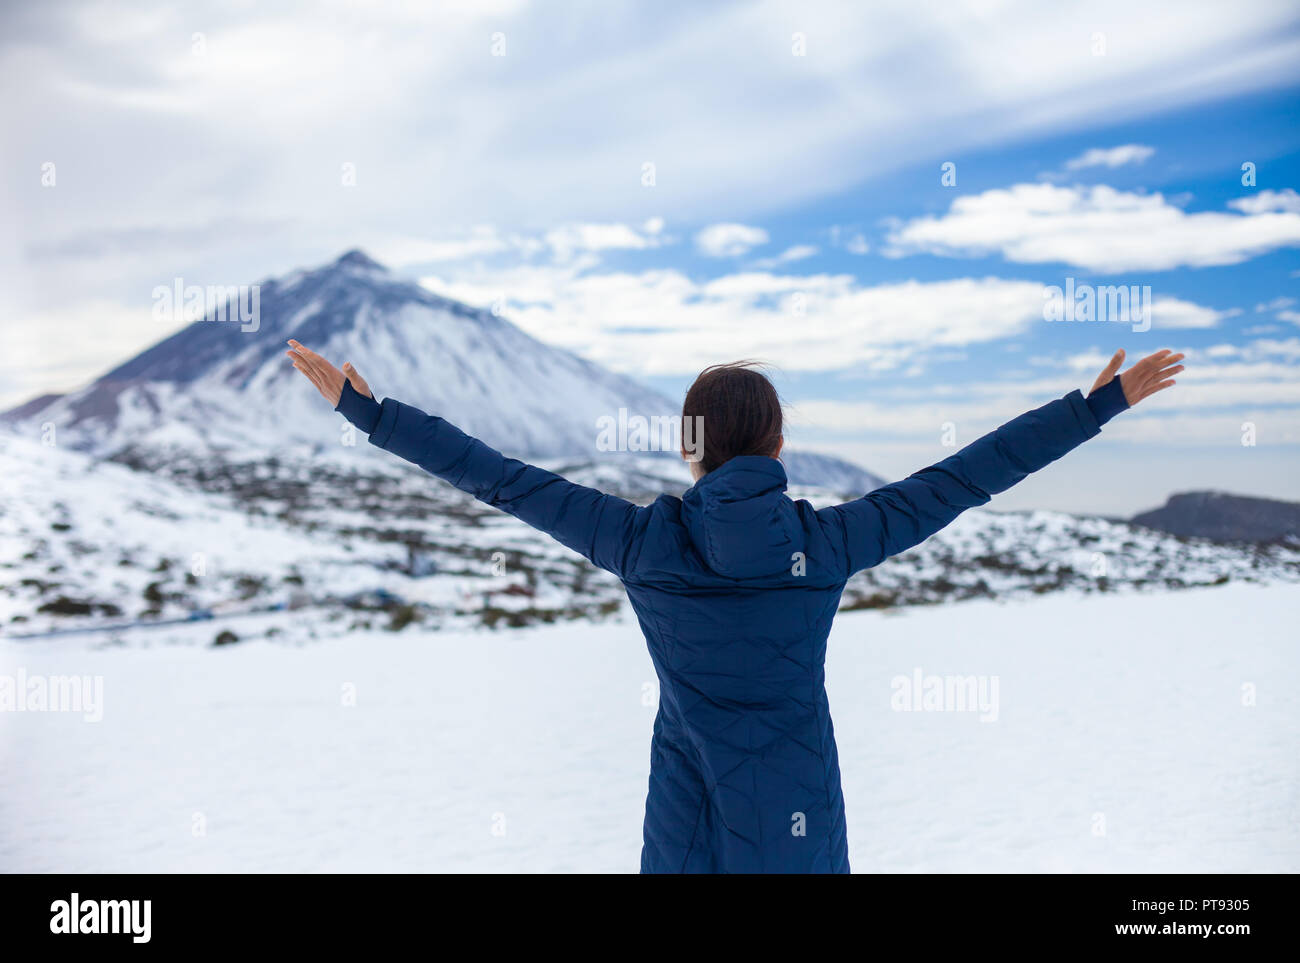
357 258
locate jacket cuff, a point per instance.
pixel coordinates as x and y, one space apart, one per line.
387 422
357 408
1108 400
1083 415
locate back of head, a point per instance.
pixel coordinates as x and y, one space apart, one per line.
740 520
732 410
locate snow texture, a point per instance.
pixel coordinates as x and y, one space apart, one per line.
1122 744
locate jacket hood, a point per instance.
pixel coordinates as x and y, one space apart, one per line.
740 519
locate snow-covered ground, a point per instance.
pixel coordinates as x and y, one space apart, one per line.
92 543
1123 742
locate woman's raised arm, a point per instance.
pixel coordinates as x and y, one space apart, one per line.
601 527
894 518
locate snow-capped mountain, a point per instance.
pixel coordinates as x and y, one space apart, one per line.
225 386
204 479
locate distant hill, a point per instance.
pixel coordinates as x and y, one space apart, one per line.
1224 518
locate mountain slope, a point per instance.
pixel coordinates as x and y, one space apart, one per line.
216 386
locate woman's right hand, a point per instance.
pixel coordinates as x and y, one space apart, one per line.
327 378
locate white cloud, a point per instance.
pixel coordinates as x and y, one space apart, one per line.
564 242
1265 202
664 322
398 251
1220 387
1098 228
1277 304
729 240
1110 157
1168 312
444 134
799 252
571 238
1258 351
850 239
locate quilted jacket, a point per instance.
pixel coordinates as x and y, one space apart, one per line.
735 586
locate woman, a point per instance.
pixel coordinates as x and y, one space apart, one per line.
735 586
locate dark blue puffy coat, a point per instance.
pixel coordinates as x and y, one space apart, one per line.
735 586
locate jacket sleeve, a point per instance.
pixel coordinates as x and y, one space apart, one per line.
598 526
894 518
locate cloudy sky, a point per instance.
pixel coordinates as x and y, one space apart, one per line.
874 200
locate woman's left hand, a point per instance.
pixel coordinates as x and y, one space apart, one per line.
327 378
1153 373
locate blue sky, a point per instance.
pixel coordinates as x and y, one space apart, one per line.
796 213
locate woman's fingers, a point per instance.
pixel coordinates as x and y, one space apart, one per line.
1170 364
1159 387
1108 372
1153 373
358 382
300 359
302 365
302 349
310 375
1161 370
1144 367
327 378
309 357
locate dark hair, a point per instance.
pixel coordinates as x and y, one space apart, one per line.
740 413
